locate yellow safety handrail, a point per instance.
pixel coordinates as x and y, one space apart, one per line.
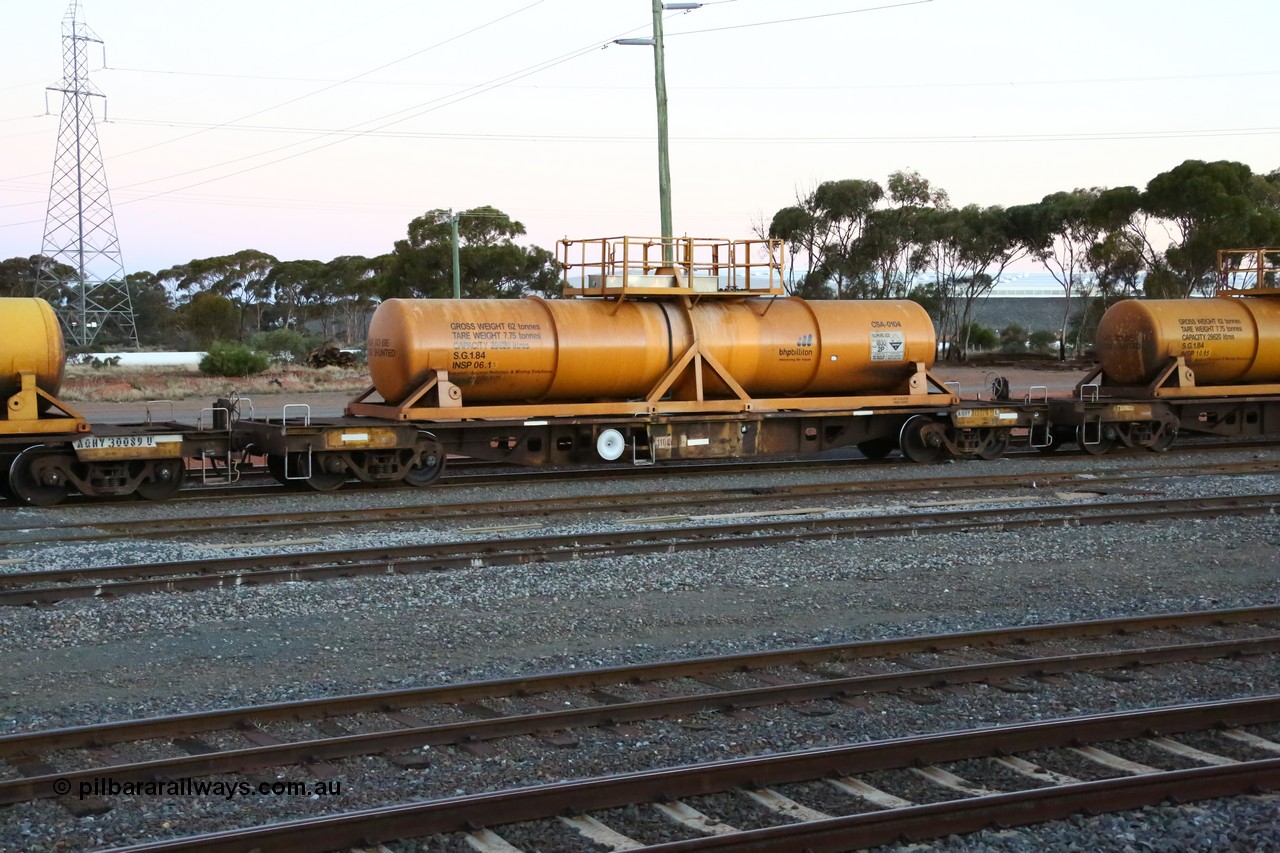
609 266
1249 272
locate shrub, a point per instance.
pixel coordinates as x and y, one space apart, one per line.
228 358
1044 342
980 337
283 344
1013 339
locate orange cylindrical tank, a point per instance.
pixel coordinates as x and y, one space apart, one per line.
1224 340
517 350
30 342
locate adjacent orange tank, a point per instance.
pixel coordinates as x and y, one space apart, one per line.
1225 340
534 349
30 342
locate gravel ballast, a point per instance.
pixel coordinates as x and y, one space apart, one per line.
88 661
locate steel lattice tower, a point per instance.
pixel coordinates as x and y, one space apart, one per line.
79 228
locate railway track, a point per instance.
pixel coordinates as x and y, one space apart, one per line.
501 708
704 804
49 586
293 521
403 726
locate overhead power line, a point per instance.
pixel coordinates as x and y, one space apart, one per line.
1176 133
802 18
736 87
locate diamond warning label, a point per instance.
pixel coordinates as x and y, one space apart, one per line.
888 346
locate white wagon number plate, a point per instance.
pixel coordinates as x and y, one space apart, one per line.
104 442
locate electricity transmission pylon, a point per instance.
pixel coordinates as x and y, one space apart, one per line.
82 274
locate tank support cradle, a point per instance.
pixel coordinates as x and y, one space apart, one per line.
1177 379
920 388
22 412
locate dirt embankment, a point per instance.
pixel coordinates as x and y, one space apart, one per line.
83 384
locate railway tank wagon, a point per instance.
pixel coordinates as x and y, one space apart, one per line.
48 449
1207 365
650 360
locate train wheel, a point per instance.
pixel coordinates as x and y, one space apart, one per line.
167 480
428 470
878 448
921 439
995 446
287 472
1094 448
323 478
34 479
1164 440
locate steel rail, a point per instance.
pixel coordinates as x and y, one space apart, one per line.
16 587
74 531
469 731
1022 808
391 700
467 813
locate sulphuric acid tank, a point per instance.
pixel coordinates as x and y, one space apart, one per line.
534 349
1224 340
30 342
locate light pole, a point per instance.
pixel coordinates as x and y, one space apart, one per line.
457 270
660 86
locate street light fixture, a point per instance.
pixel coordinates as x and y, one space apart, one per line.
660 86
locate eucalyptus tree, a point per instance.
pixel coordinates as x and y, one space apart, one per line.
800 229
207 317
1117 264
1184 216
240 277
1058 232
290 283
1210 206
491 263
18 275
346 294
969 249
894 241
153 314
826 226
844 208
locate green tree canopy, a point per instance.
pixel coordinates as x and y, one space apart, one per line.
1211 206
153 313
968 250
826 225
241 277
209 317
1058 232
491 263
18 275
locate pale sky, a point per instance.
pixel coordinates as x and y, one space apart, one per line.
320 128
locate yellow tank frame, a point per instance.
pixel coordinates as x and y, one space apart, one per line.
438 399
1177 379
701 267
23 415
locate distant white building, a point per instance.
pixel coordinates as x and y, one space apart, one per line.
1033 285
149 359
